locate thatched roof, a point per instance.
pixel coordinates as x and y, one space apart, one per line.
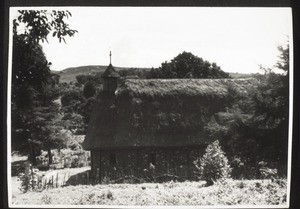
110 72
182 87
158 112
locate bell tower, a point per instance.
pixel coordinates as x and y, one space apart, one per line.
110 78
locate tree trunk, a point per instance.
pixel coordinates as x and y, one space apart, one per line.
49 156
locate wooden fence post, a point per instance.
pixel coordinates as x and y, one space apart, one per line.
64 181
52 181
56 180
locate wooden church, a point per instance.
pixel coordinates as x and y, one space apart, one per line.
154 128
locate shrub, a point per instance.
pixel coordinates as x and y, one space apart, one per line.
89 90
71 97
213 165
30 179
65 158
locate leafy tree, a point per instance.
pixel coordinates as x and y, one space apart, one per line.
86 110
83 79
71 98
31 75
89 90
38 24
187 65
48 130
73 121
256 127
271 104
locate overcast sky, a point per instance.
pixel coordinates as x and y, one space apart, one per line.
237 39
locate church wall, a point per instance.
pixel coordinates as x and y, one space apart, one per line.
116 164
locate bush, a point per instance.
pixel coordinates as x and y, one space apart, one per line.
89 90
65 158
213 165
70 98
30 179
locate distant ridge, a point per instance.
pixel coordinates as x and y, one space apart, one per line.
69 74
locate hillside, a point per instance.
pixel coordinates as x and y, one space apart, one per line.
240 75
69 74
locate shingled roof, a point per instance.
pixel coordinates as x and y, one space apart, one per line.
158 112
110 72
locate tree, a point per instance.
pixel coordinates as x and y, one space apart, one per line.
48 131
31 75
86 110
214 164
187 65
38 24
72 98
257 129
89 90
271 104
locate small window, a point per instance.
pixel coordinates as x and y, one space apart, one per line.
152 158
112 158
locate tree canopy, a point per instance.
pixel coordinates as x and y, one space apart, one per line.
187 65
33 84
257 127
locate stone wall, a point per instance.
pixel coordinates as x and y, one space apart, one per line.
119 163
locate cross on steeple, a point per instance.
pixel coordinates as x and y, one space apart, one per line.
110 57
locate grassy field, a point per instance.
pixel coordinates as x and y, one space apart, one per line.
232 192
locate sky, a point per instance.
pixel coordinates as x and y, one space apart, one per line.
237 39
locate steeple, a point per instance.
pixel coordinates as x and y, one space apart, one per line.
110 78
110 57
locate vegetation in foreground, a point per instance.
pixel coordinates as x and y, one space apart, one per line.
229 192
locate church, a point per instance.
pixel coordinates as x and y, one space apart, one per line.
154 128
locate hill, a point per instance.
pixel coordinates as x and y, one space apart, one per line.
69 74
240 75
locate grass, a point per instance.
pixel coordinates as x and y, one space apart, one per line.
230 192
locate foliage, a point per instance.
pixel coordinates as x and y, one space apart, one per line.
30 66
30 179
65 158
73 122
33 85
83 79
187 65
48 131
71 98
40 23
87 108
214 164
256 126
30 70
134 73
89 90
